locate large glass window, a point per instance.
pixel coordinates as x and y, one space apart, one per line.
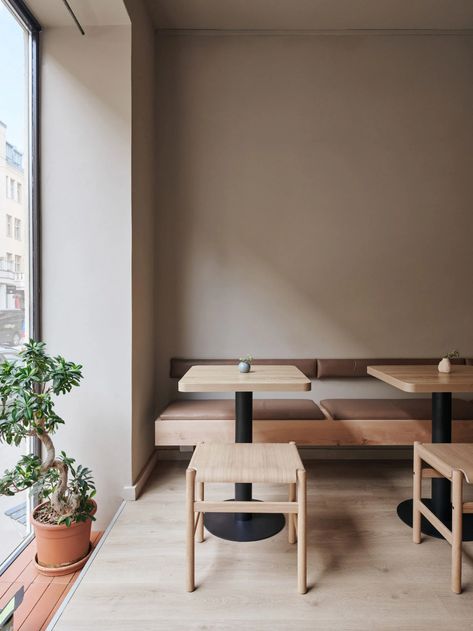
18 54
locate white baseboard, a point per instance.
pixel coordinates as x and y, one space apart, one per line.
132 493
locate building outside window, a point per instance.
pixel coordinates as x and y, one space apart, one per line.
18 116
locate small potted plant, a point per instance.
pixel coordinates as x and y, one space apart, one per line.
245 363
445 363
63 517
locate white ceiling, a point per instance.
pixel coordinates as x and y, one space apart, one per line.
312 14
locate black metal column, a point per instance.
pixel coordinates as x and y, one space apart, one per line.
243 434
441 433
244 526
440 503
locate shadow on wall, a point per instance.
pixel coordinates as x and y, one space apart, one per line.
313 195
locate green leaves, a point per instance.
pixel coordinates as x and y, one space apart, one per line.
65 375
23 476
82 486
27 388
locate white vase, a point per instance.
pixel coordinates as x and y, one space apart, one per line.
244 366
445 365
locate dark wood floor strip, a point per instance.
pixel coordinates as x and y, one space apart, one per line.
43 594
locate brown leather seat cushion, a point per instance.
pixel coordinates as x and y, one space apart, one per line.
391 409
221 409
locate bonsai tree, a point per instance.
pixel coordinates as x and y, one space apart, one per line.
28 388
247 360
452 355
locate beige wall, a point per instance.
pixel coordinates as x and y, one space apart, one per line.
143 237
98 239
314 197
86 243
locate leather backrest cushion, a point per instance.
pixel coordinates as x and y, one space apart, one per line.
346 368
179 367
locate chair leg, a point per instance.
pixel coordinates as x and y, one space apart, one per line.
457 534
190 497
417 493
200 523
291 528
302 532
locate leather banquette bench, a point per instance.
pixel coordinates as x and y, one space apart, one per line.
333 422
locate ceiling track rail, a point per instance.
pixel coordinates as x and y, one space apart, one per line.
74 17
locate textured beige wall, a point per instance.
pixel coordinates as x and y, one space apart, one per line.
86 243
143 237
314 197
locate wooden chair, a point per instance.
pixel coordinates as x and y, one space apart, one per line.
243 463
455 462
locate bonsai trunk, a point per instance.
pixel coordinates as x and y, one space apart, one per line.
60 503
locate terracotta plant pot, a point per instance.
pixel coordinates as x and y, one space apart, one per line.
61 549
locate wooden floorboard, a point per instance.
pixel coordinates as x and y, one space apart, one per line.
16 568
364 570
43 594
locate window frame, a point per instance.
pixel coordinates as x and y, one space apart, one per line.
24 15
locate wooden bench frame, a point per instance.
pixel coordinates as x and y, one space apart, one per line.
329 432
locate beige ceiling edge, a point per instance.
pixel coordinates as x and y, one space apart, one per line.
54 13
317 32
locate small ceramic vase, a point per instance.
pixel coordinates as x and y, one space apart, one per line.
445 365
244 367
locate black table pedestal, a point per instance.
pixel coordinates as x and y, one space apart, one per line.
244 526
440 504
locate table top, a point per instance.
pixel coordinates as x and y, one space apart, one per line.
425 378
230 379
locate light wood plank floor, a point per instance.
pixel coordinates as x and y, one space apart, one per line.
364 571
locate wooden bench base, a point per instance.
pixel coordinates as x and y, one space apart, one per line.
307 432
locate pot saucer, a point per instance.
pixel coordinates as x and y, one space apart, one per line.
64 569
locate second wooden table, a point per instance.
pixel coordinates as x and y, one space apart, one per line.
236 526
440 385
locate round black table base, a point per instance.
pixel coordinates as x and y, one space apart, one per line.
404 511
260 526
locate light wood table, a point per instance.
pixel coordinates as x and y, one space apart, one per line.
440 385
244 526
